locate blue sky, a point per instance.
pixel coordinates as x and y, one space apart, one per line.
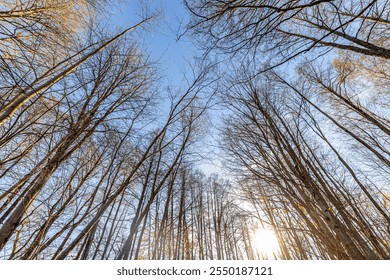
173 57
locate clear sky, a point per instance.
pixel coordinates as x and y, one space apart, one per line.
174 57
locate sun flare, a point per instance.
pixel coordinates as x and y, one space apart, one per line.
266 244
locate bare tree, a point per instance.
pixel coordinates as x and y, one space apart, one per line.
283 30
270 139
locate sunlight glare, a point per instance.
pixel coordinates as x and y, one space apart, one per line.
265 243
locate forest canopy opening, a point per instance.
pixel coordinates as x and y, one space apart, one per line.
103 146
